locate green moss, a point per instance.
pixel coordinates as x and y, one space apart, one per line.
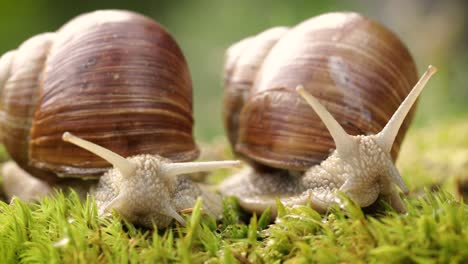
64 229
434 230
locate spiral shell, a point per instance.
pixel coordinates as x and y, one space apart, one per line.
359 70
113 77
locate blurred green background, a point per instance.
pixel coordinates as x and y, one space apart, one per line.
436 32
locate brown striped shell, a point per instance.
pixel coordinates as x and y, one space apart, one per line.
359 70
115 78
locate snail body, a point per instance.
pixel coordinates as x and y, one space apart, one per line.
360 72
149 189
117 79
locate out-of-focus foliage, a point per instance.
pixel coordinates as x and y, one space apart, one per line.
433 32
436 157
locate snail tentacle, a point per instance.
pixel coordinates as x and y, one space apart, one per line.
171 212
344 142
395 177
388 134
395 201
113 204
179 168
126 168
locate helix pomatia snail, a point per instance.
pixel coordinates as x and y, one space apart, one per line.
360 72
118 79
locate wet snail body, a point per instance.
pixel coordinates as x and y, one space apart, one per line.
149 189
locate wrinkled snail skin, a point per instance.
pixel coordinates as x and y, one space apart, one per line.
149 189
148 197
361 167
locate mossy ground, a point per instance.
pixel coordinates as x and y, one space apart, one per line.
435 229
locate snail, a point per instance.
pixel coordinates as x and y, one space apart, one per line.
117 79
355 74
147 189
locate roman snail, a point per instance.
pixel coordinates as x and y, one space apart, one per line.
119 80
339 132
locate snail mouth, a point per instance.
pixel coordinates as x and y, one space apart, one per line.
363 194
363 198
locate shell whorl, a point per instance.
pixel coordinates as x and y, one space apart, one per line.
243 60
20 78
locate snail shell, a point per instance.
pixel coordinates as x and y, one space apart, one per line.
116 78
359 70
